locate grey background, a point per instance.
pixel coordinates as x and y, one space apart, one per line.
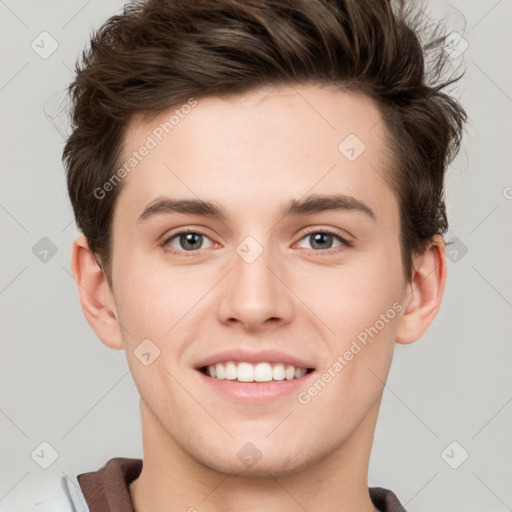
61 385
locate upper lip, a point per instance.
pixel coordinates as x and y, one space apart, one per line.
269 356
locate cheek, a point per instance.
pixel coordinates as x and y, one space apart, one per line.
149 310
349 298
158 301
362 311
146 300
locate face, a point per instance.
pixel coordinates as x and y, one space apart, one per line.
259 223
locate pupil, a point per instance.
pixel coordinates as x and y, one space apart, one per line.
191 240
319 241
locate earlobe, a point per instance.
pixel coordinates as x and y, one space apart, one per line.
95 295
425 292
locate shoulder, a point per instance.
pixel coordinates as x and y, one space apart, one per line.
385 500
61 494
68 493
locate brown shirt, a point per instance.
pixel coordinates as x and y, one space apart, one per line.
106 490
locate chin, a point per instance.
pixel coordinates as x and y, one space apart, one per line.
259 459
276 466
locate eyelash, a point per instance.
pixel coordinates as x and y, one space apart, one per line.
344 242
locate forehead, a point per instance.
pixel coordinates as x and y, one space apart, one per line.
268 145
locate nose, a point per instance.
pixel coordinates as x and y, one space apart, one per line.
255 295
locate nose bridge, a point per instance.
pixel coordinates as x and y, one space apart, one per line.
253 293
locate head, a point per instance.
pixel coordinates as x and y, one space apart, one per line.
268 124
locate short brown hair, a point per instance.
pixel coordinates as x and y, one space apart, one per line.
158 54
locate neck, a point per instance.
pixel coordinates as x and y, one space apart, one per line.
171 476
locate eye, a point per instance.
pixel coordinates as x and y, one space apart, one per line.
322 240
190 241
186 241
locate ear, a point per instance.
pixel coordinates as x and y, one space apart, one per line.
96 298
424 292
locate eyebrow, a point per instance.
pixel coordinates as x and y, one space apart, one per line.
304 206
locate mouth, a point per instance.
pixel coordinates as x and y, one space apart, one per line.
254 373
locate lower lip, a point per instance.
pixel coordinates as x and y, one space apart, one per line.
256 391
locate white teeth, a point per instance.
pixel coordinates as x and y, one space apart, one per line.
230 371
219 370
260 372
278 371
245 372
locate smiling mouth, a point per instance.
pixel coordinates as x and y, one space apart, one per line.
257 373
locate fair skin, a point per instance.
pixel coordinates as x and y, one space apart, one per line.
252 155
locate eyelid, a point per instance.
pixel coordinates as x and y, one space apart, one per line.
183 231
328 231
345 242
